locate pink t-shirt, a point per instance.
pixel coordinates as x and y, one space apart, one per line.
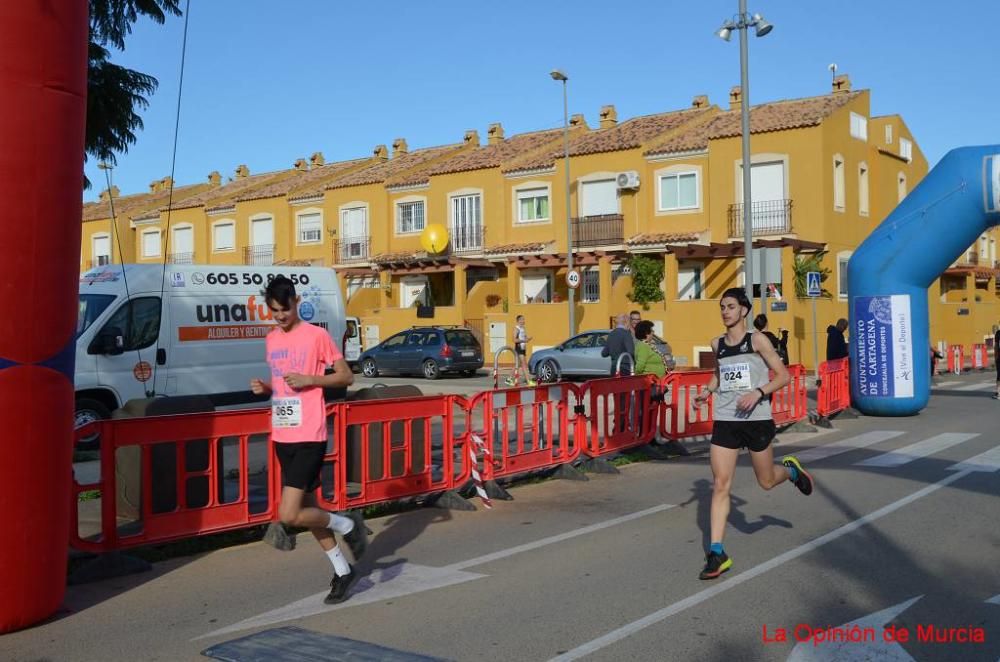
298 415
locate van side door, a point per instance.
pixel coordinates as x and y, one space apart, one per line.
126 346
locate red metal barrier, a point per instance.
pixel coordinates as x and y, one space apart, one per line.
680 418
834 392
620 413
526 428
788 404
980 357
388 450
197 496
956 359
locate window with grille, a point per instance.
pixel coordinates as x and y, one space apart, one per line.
533 205
310 228
102 250
591 286
466 222
409 217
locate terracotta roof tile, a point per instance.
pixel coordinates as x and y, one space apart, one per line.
131 206
300 183
398 166
626 135
516 249
650 239
492 156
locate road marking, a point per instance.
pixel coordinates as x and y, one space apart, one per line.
924 448
880 649
702 596
851 443
948 383
995 600
988 462
409 578
981 386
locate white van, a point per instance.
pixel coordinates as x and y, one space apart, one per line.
203 335
352 344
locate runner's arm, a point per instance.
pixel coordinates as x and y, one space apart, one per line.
260 387
342 375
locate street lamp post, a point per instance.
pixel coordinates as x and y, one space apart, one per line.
108 168
743 22
560 76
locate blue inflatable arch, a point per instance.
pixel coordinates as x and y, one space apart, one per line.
889 274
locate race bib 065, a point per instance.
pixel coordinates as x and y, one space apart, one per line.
286 413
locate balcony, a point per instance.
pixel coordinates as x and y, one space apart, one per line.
605 230
466 239
766 217
180 258
100 261
351 249
260 255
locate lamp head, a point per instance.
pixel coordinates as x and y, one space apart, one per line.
761 26
558 75
725 32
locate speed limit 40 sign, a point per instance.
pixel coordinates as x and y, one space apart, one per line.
573 278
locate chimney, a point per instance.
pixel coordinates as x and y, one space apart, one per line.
841 84
154 186
166 183
735 97
471 137
107 194
301 165
399 147
494 134
242 171
381 152
214 178
700 101
577 120
317 159
609 117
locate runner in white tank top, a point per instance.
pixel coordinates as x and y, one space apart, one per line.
742 418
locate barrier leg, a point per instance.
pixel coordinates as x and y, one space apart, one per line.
598 465
108 566
568 472
276 536
451 500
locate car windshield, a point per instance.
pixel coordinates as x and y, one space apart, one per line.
460 338
91 307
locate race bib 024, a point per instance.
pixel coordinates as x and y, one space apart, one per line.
286 413
735 377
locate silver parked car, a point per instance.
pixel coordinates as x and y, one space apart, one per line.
580 356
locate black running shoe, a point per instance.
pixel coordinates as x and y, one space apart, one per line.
804 481
357 538
339 587
715 565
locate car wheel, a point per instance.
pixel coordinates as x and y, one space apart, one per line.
431 369
369 368
88 411
548 371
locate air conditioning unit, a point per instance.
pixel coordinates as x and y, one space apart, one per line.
628 179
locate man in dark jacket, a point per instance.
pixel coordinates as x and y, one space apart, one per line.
621 341
836 346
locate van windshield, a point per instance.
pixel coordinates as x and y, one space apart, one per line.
91 307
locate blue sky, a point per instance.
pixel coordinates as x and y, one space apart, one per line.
267 82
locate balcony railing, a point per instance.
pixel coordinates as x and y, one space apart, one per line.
766 217
606 230
351 249
180 258
100 261
466 238
259 255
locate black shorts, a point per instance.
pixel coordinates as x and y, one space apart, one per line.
520 350
300 463
753 435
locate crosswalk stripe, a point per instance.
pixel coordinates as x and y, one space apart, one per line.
852 443
924 448
949 383
988 461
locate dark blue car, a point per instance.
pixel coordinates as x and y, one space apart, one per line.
426 350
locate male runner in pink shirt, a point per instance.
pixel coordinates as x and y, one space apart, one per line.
298 354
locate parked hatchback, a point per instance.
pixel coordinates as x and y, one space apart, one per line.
580 356
427 350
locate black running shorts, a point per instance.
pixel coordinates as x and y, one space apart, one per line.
753 435
300 463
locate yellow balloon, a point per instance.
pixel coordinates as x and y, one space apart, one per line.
434 238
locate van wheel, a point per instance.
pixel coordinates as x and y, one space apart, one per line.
88 411
369 368
431 370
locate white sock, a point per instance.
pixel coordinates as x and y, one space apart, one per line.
340 524
340 565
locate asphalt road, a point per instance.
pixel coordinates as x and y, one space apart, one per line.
899 536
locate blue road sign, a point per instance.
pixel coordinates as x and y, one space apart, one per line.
813 288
